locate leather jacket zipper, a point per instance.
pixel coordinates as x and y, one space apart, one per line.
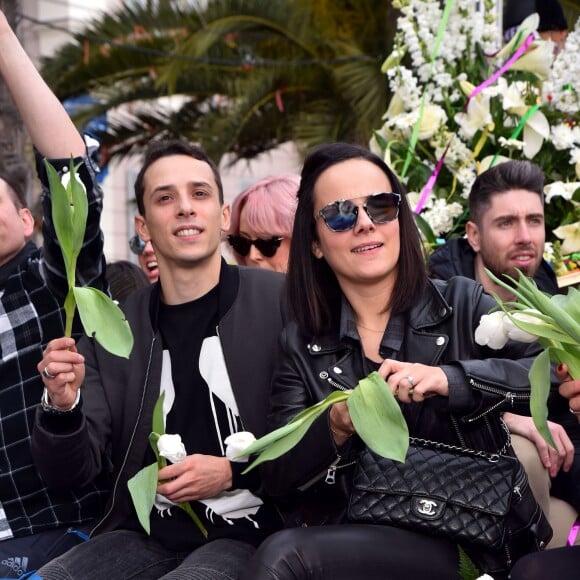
337 385
509 396
330 478
116 485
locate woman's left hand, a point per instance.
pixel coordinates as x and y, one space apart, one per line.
414 381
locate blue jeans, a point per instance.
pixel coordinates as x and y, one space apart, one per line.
125 555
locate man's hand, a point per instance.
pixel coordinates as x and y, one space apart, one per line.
551 459
62 370
196 477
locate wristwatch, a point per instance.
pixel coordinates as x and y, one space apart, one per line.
48 408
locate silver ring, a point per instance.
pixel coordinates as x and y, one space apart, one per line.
47 374
574 412
411 380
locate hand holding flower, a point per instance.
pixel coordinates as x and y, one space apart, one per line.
195 477
162 485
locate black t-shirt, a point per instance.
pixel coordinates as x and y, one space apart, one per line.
204 413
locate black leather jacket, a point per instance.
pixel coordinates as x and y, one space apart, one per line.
438 331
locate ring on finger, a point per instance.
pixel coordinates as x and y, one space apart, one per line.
411 391
47 373
411 380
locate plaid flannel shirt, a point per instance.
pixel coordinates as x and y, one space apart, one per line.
32 289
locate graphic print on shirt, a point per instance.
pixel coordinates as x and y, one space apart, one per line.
229 505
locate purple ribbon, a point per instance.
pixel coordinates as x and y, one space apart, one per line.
426 191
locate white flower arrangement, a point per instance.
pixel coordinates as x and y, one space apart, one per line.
459 104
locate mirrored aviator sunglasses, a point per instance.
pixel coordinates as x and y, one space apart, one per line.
267 248
341 215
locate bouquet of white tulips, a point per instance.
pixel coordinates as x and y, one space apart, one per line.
534 315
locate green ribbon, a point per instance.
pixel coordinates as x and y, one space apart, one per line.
518 129
434 53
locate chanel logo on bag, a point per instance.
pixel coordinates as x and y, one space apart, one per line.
427 508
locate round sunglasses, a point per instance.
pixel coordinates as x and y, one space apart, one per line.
242 245
341 215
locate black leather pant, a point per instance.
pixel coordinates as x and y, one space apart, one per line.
353 552
562 563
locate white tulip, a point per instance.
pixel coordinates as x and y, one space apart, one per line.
516 333
172 448
236 443
491 331
571 236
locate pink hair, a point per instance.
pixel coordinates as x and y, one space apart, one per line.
270 206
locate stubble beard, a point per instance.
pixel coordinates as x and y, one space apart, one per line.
500 269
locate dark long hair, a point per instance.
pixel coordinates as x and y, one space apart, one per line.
313 291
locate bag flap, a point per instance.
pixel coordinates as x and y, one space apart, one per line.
470 481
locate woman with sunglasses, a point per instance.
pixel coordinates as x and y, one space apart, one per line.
261 222
361 302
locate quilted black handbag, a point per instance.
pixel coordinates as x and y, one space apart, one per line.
479 500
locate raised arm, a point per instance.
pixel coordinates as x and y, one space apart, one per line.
48 124
56 138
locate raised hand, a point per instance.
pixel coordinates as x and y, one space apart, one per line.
62 370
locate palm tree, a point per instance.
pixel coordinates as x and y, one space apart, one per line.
248 74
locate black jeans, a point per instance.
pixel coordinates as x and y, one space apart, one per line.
124 555
351 551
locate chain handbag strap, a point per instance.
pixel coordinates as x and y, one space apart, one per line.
491 457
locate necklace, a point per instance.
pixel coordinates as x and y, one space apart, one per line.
359 325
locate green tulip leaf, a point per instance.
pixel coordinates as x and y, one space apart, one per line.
284 438
569 302
378 419
547 331
161 461
315 410
142 487
334 397
285 443
62 219
158 422
540 382
544 303
79 210
104 320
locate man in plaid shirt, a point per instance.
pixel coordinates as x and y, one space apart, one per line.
33 520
